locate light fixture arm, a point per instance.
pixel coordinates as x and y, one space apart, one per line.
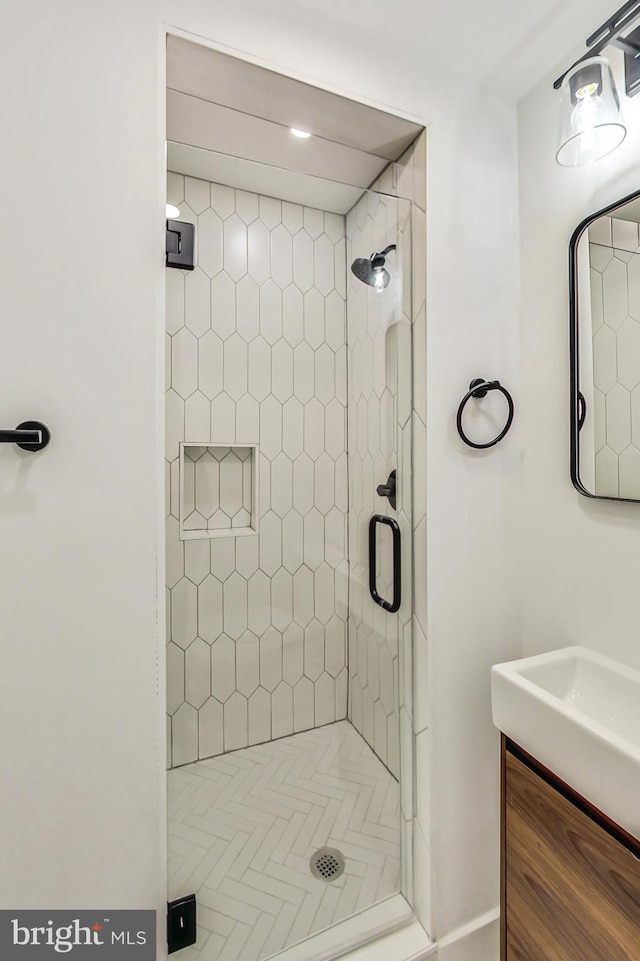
610 33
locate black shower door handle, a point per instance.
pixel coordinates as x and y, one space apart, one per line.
394 605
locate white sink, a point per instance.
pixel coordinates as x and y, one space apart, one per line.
578 713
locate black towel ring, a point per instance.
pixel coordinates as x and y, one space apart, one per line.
480 388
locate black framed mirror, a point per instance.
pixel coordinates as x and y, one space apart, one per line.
604 281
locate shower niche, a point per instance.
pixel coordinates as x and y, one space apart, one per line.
218 490
289 401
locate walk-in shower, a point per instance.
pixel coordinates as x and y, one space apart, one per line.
288 404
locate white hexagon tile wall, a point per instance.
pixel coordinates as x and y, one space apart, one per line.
614 256
256 354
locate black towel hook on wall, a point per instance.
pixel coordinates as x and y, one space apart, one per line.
30 435
478 388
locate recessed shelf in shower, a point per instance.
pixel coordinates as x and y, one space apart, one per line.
218 490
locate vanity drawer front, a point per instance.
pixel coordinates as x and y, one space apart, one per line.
572 891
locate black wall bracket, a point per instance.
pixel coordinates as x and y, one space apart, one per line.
181 923
611 33
180 245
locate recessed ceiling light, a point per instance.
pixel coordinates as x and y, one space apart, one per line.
302 134
171 212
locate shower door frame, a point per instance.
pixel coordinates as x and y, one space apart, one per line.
417 884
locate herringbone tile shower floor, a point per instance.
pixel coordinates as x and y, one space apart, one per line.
242 827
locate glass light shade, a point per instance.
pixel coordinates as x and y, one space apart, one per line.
591 124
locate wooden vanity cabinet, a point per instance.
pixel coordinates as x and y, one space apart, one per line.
570 876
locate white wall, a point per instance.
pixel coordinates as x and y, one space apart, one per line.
579 556
82 292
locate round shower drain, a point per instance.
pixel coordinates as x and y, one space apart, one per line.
327 864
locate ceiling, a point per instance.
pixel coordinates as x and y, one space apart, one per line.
230 121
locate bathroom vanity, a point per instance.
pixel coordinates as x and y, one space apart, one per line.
570 876
570 807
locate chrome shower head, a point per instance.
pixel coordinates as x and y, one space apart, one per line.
372 271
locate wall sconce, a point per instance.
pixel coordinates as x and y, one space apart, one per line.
591 124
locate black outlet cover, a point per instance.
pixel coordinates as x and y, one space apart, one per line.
181 923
